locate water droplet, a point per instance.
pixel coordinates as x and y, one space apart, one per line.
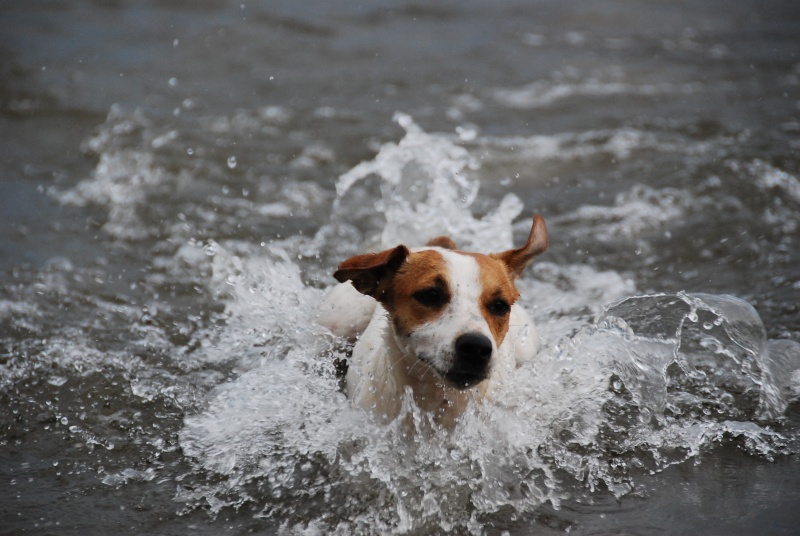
64 421
210 249
173 82
232 162
57 380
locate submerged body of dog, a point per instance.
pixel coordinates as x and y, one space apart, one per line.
440 322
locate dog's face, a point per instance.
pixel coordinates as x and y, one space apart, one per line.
449 309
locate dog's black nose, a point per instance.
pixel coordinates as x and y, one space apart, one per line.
471 367
473 352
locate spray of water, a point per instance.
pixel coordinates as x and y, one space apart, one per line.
649 381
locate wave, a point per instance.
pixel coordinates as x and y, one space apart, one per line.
625 386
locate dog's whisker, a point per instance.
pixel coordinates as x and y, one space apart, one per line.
422 362
394 362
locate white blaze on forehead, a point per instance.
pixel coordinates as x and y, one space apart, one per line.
434 341
464 310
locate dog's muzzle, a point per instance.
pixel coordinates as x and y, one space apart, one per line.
473 355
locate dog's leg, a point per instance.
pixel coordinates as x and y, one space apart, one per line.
345 311
372 381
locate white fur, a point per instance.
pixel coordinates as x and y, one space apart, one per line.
345 311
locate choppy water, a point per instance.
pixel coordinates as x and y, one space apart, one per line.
178 182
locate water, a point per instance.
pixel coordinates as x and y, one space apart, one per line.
178 182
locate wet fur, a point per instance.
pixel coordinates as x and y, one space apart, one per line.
413 313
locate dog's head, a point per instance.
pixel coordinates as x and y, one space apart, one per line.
450 309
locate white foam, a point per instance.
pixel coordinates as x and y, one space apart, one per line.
544 93
15 310
618 143
121 182
634 212
562 299
782 189
633 384
426 192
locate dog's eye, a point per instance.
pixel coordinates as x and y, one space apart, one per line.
498 307
431 297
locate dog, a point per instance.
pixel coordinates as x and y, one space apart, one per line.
442 323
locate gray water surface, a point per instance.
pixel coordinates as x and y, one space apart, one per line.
139 140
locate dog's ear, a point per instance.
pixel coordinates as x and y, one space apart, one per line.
368 271
442 242
518 259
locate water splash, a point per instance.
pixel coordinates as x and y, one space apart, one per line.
652 381
426 192
122 181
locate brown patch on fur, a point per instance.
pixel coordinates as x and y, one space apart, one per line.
442 242
422 270
370 273
518 259
497 284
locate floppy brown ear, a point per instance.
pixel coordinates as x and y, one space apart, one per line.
518 259
368 271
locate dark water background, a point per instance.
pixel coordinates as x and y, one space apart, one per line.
660 139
